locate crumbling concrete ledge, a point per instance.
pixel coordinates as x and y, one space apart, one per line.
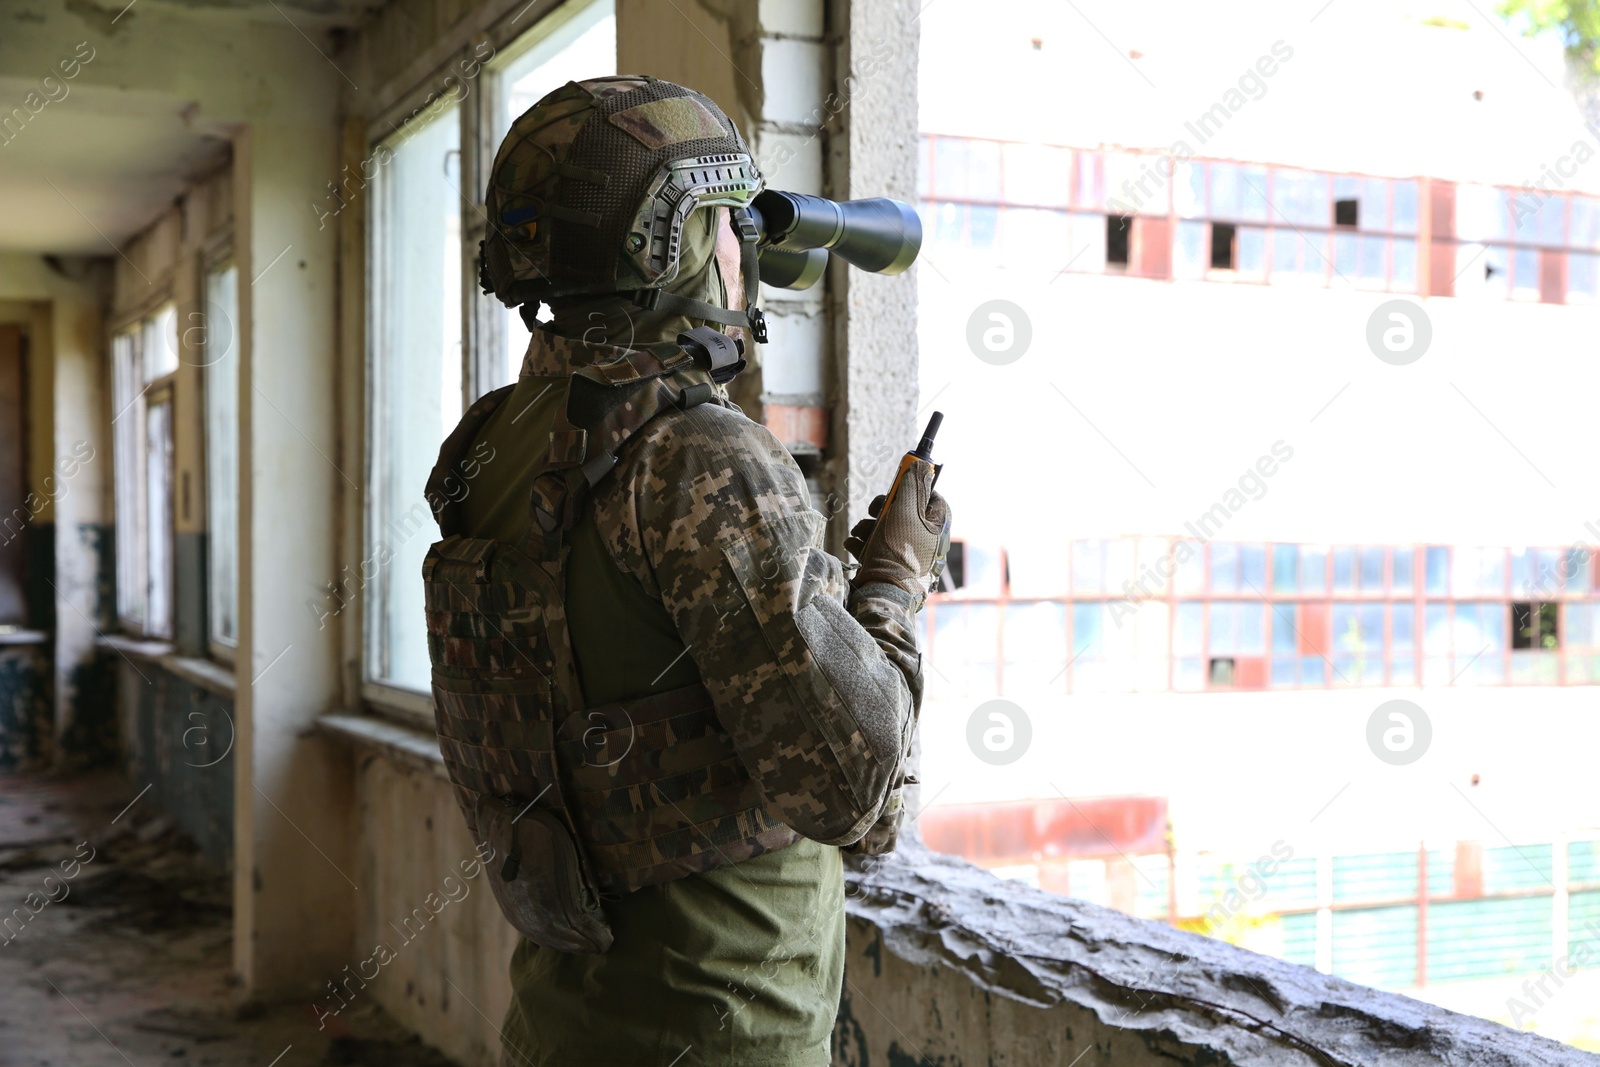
951 966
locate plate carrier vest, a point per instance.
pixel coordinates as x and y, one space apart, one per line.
578 803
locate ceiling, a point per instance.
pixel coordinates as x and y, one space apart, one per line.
82 174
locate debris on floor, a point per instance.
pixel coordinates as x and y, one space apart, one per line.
116 947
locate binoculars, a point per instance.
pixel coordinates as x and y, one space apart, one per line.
798 231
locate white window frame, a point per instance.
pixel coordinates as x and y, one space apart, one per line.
483 319
142 562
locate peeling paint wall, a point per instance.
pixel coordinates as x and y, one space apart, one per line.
178 739
24 705
448 977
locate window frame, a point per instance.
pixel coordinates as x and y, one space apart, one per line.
477 99
218 260
131 485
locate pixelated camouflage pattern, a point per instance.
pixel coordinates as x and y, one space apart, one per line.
709 512
651 789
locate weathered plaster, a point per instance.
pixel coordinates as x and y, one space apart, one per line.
1012 975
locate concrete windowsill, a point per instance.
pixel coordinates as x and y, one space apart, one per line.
201 672
1217 1002
406 745
136 647
22 637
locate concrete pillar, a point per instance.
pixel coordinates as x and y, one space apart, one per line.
69 469
768 67
873 153
294 885
84 589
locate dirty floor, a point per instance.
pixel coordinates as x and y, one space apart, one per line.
115 947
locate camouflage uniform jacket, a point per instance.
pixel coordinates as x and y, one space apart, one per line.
813 688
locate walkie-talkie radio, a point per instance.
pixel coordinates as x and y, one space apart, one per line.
912 463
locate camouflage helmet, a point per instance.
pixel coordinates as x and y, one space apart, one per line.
591 186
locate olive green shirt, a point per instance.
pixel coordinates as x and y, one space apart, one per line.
740 965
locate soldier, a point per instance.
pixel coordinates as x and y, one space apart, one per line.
661 702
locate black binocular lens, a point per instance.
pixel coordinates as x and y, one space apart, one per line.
878 234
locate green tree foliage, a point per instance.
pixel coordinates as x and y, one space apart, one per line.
1578 22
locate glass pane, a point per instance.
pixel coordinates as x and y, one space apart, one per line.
1191 577
1582 277
1437 582
1575 570
1252 252
1345 256
982 221
127 431
1223 618
1374 204
1405 207
1538 217
967 169
1525 276
949 223
415 381
1371 262
1285 633
158 513
1403 275
1403 623
1344 570
1313 568
1253 569
1372 570
1301 197
1403 579
221 362
1253 194
1087 638
1285 568
1585 231
1189 250
1252 639
582 46
161 344
1189 190
1186 629
1299 256
1224 567
1224 190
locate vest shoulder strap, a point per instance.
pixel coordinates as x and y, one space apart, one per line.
447 483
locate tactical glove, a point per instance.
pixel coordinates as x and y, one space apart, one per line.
906 547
